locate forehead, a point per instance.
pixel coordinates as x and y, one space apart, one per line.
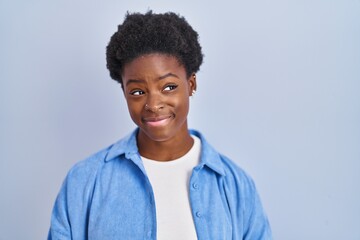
155 65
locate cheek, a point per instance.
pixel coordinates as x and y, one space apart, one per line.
134 110
182 104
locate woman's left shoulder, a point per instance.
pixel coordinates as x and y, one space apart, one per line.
235 174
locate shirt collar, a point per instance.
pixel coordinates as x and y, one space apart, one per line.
128 146
209 156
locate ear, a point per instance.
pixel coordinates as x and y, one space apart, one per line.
192 84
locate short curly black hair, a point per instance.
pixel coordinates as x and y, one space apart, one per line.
142 34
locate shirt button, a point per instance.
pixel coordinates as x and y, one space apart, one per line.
198 214
195 186
149 234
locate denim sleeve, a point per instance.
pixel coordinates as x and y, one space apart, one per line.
249 218
70 214
60 224
257 227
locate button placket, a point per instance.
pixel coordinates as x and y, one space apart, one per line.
195 197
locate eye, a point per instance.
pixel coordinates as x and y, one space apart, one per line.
170 87
137 92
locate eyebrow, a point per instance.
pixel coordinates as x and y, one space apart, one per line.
159 78
168 75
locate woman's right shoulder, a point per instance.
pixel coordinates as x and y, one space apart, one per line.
88 167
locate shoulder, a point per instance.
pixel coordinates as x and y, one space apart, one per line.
234 172
240 193
88 168
221 163
72 202
236 181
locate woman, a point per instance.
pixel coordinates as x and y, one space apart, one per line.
163 181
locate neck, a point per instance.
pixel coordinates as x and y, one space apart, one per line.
167 150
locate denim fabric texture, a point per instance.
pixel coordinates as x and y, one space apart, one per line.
109 196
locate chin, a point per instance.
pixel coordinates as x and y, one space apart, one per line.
160 136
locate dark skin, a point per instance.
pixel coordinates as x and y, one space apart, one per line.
157 91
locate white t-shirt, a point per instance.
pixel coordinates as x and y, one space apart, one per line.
170 183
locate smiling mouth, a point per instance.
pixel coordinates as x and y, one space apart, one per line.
157 121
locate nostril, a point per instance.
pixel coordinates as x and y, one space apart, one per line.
153 108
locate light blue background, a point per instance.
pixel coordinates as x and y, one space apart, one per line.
279 92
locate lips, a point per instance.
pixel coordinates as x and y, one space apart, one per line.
157 120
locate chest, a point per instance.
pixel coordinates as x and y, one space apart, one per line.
124 204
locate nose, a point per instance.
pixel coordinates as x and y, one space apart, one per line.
154 103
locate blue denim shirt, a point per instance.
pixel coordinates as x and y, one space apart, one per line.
109 196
